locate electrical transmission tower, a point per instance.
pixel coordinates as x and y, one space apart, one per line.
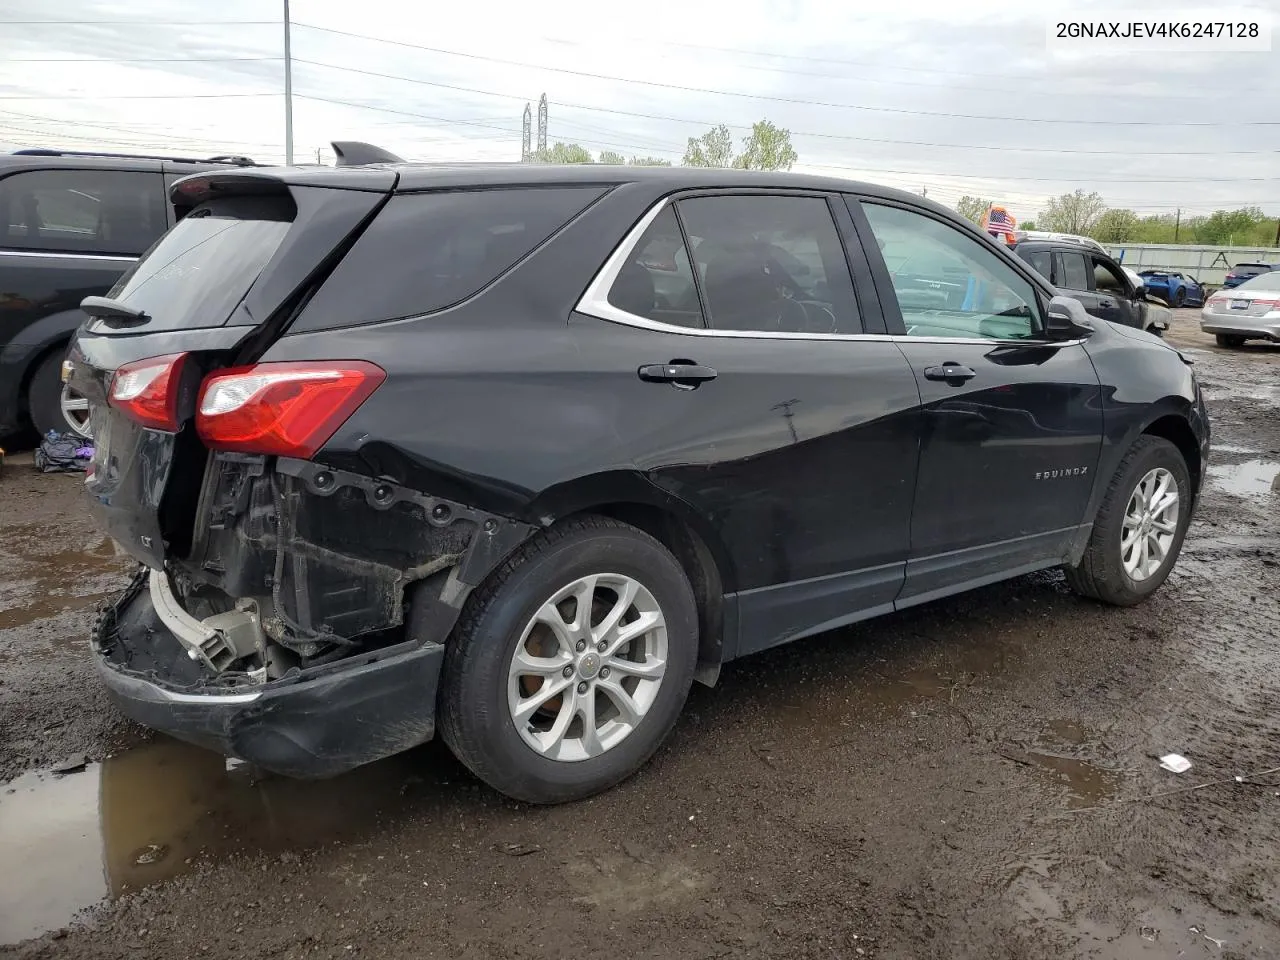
542 125
526 144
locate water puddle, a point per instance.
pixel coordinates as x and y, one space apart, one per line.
1253 478
1086 784
146 815
54 583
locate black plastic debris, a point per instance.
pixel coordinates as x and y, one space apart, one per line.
63 453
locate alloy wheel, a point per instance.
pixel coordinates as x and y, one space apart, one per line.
1150 524
75 410
588 667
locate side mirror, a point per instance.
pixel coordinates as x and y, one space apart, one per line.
1140 290
1067 320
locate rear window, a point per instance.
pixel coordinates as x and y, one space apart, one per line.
82 211
200 270
429 251
1260 281
1250 269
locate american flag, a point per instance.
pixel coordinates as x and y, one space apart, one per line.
997 218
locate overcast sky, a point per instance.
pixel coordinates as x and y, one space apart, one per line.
958 97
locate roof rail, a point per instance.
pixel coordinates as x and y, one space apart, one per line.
49 152
353 153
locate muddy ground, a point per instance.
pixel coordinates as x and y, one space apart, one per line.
976 779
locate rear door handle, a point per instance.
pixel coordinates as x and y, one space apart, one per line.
952 373
680 373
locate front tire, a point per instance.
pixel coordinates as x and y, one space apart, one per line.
571 662
1139 528
1180 297
1230 341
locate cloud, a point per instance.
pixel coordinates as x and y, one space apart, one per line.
929 75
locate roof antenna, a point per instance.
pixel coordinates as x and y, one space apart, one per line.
353 153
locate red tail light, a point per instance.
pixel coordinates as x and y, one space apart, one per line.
287 409
147 390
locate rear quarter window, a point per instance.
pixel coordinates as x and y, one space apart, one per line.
428 251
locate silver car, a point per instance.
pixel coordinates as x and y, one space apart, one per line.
1250 311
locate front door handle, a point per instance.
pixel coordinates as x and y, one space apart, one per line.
952 373
1106 303
679 373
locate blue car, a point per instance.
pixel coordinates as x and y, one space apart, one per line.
1175 289
1246 271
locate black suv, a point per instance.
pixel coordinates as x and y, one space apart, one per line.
1097 281
522 451
72 224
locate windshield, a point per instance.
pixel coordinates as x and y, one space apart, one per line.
199 271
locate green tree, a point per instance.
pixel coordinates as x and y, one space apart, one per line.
973 209
1073 212
768 148
1029 225
1231 227
563 153
713 149
612 157
649 162
1115 226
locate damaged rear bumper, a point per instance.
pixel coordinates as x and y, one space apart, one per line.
315 724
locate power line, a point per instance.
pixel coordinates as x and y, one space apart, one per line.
139 96
795 133
141 59
793 100
1057 84
141 23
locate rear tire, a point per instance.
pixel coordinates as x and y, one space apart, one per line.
1112 570
1230 341
44 396
548 756
1180 297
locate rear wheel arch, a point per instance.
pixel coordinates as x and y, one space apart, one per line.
630 498
700 566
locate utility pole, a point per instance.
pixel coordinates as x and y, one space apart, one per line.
288 92
1177 225
924 191
1278 231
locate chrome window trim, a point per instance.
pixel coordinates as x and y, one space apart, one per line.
595 303
67 256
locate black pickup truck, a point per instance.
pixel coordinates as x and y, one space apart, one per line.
1088 274
72 223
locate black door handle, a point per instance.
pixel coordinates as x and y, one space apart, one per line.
952 373
680 373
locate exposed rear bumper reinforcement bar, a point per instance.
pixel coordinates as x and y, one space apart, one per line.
309 727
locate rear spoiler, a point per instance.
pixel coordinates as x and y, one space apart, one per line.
353 153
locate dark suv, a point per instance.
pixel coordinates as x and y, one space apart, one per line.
72 224
1097 281
522 451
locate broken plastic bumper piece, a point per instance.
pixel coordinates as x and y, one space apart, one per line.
153 658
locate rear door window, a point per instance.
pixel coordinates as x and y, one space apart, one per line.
770 264
429 251
82 211
201 269
1075 272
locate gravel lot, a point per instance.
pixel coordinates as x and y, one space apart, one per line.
975 779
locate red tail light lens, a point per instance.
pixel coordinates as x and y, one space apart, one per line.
287 409
147 391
